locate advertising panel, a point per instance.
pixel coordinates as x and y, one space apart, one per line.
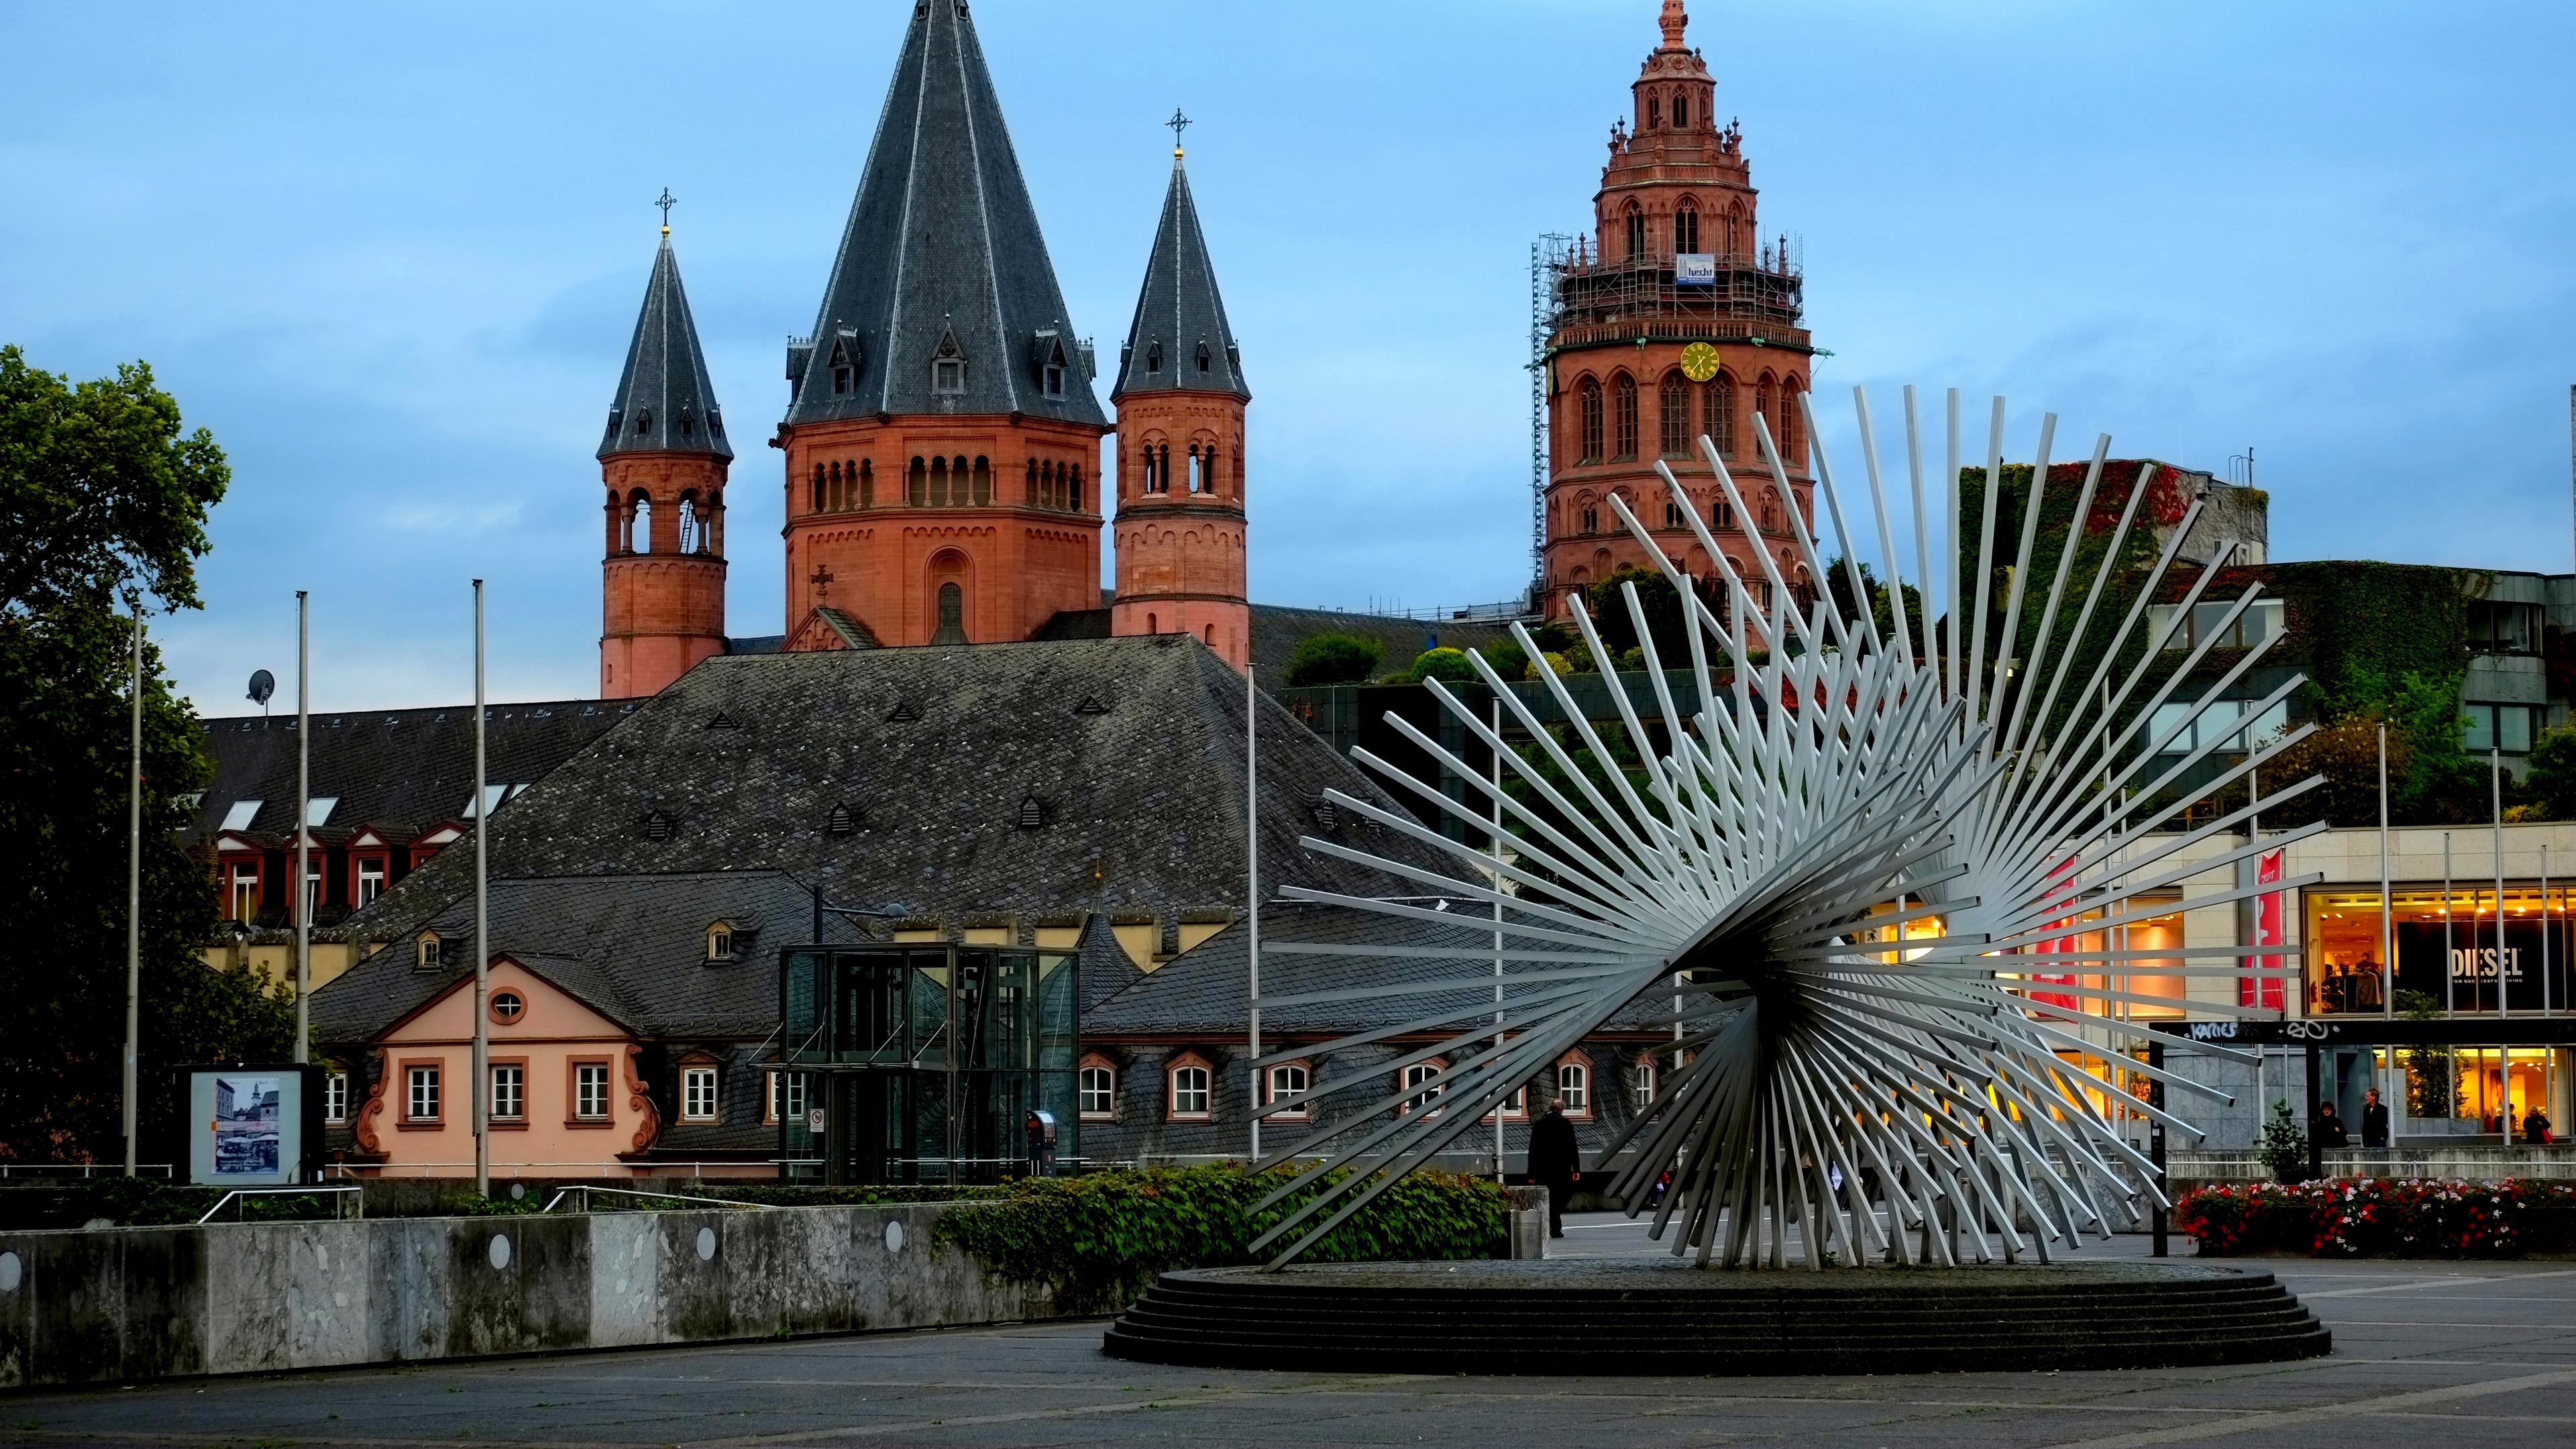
253 1126
1695 269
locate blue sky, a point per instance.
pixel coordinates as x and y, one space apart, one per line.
391 255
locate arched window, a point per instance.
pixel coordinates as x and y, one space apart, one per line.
867 483
689 540
1073 490
1197 476
1286 1082
917 491
1623 417
1636 233
1681 112
1673 515
1685 223
1033 482
1736 231
1426 1076
1586 514
639 529
817 504
1574 1086
938 482
1770 510
720 941
1654 111
1720 517
952 608
1791 425
425 951
1153 625
983 481
1190 1095
1588 405
1765 405
1096 1089
1672 417
1717 413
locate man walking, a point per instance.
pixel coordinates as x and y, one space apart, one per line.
1553 1162
2374 1120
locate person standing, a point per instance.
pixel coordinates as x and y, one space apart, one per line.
2330 1131
1554 1161
2374 1120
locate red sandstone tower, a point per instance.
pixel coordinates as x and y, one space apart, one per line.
1674 320
664 458
1180 400
942 439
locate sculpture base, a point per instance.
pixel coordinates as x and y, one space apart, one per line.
1664 1317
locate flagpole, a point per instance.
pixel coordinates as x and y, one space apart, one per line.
2387 931
1252 873
134 903
2495 767
304 893
482 1087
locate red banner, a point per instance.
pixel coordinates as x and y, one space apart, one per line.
2065 890
2268 992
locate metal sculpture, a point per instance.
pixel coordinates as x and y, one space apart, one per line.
1862 868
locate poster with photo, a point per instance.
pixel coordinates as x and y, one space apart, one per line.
246 1126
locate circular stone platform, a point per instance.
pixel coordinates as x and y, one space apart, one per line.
1662 1316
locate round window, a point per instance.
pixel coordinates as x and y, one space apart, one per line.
506 1006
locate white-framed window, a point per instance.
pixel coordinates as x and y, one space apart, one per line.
508 1006
1425 1075
1642 1082
1190 1094
371 878
1515 1106
420 1103
1574 1088
312 883
335 1097
1289 1080
791 1095
697 1094
426 949
509 1092
245 903
720 942
1097 1087
590 1089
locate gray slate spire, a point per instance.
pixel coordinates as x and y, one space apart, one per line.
942 245
1180 339
665 401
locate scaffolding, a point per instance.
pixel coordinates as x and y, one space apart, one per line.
1547 262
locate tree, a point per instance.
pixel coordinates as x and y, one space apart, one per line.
106 500
1449 665
2552 782
1331 659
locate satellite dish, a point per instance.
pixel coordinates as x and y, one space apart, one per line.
262 685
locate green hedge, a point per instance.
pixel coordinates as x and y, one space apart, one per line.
2381 1218
1098 1240
132 1202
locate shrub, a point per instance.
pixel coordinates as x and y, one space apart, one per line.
1443 664
2285 1147
1331 659
1098 1240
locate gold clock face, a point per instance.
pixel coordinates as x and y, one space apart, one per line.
1699 362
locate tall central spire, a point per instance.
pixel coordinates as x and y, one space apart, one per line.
942 298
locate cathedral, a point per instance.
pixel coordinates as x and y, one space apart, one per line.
942 436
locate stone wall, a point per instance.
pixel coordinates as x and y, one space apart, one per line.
135 1303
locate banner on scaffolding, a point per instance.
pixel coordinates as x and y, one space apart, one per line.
1695 269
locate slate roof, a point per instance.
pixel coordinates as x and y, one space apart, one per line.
632 947
666 401
1130 751
942 242
1179 310
397 769
1202 992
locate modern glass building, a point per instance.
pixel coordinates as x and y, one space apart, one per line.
924 1062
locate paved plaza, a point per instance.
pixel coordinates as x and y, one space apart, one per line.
2459 1355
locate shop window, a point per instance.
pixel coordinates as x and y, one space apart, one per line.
697 1094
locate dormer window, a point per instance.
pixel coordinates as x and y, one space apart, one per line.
1206 357
425 951
720 941
1154 356
688 424
948 376
644 420
1054 379
844 376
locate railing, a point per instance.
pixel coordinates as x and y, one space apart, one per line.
342 1198
585 1192
82 1169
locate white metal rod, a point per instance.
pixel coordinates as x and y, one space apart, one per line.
304 892
134 907
482 1087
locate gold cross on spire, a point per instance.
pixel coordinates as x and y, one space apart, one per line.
1178 123
666 201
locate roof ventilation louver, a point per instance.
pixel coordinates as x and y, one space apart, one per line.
657 826
1090 705
724 722
1328 817
1032 812
904 713
841 821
